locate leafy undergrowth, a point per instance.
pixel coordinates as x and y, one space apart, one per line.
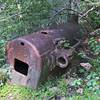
12 92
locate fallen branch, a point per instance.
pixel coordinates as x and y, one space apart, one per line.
85 14
96 4
61 10
76 45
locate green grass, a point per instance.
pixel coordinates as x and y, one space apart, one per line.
23 93
13 92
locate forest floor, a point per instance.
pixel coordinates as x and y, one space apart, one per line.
73 84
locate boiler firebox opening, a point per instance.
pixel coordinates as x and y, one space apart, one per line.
21 67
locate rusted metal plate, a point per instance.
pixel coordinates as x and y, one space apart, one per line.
31 57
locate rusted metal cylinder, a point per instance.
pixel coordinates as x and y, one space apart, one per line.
31 57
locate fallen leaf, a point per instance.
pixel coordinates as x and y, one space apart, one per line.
80 90
87 66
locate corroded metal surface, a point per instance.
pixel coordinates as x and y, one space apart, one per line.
31 57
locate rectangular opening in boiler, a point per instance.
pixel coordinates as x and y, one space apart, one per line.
21 67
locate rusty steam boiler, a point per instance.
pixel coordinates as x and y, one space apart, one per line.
32 57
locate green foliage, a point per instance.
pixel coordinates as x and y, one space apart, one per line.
45 91
2 52
3 77
62 85
92 77
21 16
64 44
92 81
22 93
91 16
94 18
94 45
77 82
87 96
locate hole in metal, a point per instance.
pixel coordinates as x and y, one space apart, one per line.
21 67
44 32
61 60
22 43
